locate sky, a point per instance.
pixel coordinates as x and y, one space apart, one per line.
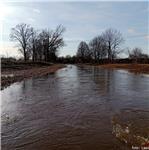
82 20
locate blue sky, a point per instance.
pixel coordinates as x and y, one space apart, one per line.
82 20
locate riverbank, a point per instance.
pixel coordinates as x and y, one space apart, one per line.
10 75
134 68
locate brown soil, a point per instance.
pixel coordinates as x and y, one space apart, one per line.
20 74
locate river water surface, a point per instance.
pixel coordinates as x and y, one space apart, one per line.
73 108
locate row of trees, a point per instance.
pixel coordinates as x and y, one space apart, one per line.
137 53
43 45
106 45
38 45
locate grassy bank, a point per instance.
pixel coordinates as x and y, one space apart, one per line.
135 68
11 73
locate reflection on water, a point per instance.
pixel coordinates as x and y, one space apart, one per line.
73 109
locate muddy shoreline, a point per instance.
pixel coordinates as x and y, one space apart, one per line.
9 76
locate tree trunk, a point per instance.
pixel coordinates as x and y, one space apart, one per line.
109 52
25 58
33 57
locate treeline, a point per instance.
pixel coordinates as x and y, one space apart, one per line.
75 59
105 49
43 45
38 45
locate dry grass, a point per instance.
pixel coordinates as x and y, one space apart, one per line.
136 68
19 75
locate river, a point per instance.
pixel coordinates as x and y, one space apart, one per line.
73 109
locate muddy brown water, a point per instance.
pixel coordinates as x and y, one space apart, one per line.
72 109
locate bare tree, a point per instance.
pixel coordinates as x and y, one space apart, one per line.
44 39
83 51
51 41
33 44
21 33
39 53
55 41
137 53
113 39
42 45
98 48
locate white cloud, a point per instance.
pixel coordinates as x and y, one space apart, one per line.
36 10
9 49
131 30
147 37
74 40
5 11
31 20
